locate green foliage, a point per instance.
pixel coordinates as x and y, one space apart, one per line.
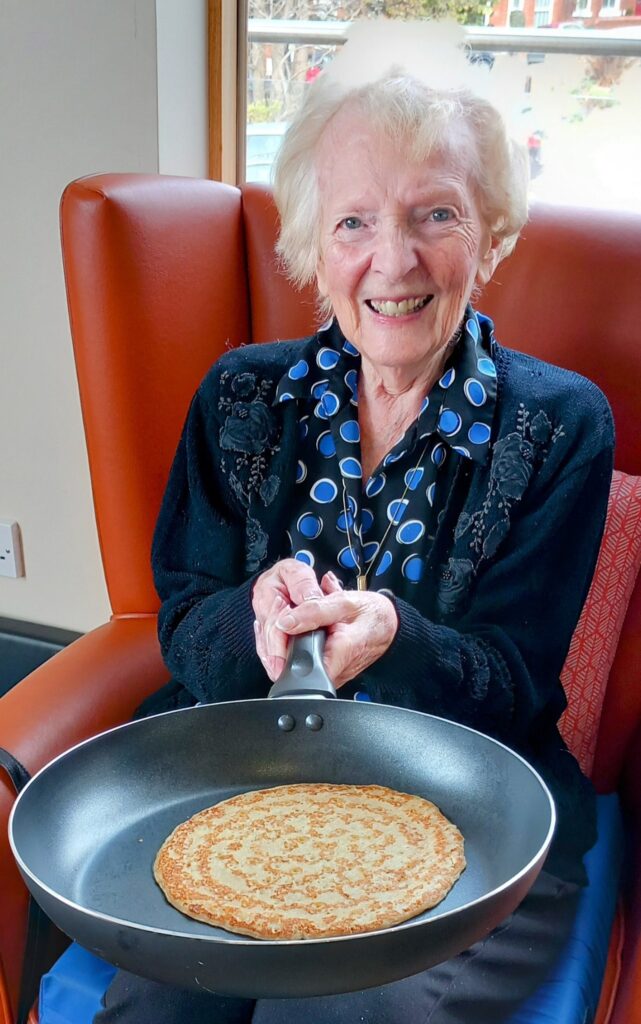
263 110
468 12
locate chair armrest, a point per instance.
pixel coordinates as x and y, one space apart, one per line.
94 684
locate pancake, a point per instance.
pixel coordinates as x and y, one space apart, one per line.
311 861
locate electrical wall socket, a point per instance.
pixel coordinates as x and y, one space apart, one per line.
11 560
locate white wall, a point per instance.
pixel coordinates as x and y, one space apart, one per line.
182 87
78 95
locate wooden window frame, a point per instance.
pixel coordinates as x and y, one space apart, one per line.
227 43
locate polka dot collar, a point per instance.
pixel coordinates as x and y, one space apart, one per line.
459 407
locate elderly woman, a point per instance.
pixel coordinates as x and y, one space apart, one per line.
433 500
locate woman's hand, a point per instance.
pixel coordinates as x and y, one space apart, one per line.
360 626
286 585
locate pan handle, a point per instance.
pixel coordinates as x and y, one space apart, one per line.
304 674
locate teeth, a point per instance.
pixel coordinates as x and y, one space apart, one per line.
389 308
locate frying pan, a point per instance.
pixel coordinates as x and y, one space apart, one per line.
87 827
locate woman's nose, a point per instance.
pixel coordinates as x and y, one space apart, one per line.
394 254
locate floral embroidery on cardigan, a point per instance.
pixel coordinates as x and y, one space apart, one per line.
250 435
514 459
454 584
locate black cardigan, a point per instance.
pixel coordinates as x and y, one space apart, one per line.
504 583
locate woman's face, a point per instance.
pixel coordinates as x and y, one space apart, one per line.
402 245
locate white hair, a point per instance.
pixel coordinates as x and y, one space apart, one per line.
419 117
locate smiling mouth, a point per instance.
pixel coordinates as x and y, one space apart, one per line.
387 307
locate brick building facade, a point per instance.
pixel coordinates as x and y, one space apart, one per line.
599 14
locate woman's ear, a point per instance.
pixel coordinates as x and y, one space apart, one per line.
488 262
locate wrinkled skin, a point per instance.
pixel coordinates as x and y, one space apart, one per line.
287 600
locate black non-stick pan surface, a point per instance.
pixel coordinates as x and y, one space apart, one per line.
86 829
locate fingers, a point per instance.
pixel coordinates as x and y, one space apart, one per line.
328 612
299 580
271 642
288 583
360 628
341 657
272 663
338 606
293 580
353 646
288 600
330 584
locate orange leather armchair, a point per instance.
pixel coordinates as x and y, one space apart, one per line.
163 274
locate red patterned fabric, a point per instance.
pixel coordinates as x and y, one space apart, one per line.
587 667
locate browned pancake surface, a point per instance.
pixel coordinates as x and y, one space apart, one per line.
311 861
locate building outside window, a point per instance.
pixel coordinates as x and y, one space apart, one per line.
576 112
542 12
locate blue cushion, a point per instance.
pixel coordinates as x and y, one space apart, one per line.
70 993
571 993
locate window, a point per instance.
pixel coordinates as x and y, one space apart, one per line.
516 15
542 10
576 93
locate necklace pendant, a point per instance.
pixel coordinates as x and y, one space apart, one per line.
361 582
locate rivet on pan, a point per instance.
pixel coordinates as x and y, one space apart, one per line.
286 723
314 722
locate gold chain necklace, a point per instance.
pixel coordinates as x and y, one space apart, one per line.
361 576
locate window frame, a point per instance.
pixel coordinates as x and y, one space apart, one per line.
228 80
226 37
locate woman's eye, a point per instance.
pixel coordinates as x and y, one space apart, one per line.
351 223
440 214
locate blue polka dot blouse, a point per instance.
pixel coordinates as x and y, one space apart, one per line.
381 528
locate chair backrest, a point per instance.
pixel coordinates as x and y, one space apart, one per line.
157 289
163 274
570 294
